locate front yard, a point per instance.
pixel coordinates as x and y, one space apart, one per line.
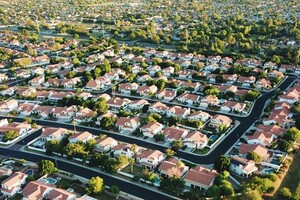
137 170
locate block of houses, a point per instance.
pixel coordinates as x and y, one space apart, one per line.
260 137
126 88
177 111
166 94
195 140
174 133
124 149
242 167
172 168
261 150
13 184
147 90
200 177
81 137
188 98
158 107
26 108
220 120
138 104
8 106
50 133
152 128
150 159
273 129
279 117
36 190
129 124
105 144
84 115
199 115
58 193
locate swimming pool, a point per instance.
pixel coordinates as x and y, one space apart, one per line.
213 137
50 181
29 172
268 171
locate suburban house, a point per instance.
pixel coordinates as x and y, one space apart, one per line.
209 100
174 133
36 190
263 83
8 106
242 167
188 98
287 68
50 133
158 107
184 74
220 120
94 85
43 111
270 65
260 137
177 111
12 185
230 78
124 149
246 81
3 77
64 112
5 172
143 78
199 115
37 81
9 91
172 168
275 74
58 193
138 104
26 108
147 90
279 117
273 129
262 151
166 94
195 140
21 128
108 114
291 96
200 177
151 129
81 137
105 144
233 106
126 88
84 115
117 103
129 124
214 59
168 71
150 159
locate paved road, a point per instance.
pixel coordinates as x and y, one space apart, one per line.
245 123
126 186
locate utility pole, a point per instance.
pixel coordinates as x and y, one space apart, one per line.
37 24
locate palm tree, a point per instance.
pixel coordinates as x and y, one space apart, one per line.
74 124
134 149
131 162
113 88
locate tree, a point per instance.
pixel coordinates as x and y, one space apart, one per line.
28 120
222 163
285 145
169 153
107 122
10 135
159 137
95 185
250 195
253 156
292 134
114 189
172 185
213 191
177 144
46 167
285 193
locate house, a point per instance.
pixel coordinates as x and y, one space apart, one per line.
104 96
158 107
168 71
22 73
184 56
108 114
153 69
81 137
199 115
151 129
56 96
117 103
150 159
200 177
177 111
270 65
199 57
26 92
3 77
166 94
58 193
242 167
275 75
103 81
233 106
188 98
172 168
214 59
279 117
12 185
94 85
43 95
147 90
26 108
226 60
143 78
161 54
21 128
37 81
220 120
5 172
230 78
195 140
8 106
50 133
64 112
263 83
291 96
124 149
211 67
129 124
9 91
43 111
84 115
227 88
209 100
105 144
273 129
260 137
287 68
262 151
113 76
36 190
138 104
184 74
174 133
126 88
246 81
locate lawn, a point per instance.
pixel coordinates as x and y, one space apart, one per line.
78 189
138 171
292 178
102 196
202 151
63 183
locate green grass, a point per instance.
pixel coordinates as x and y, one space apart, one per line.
102 196
201 151
138 171
63 183
189 164
78 189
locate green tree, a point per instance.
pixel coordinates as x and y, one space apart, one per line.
107 122
213 191
95 185
172 185
169 153
292 134
285 193
46 167
222 163
114 189
250 195
253 156
10 135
